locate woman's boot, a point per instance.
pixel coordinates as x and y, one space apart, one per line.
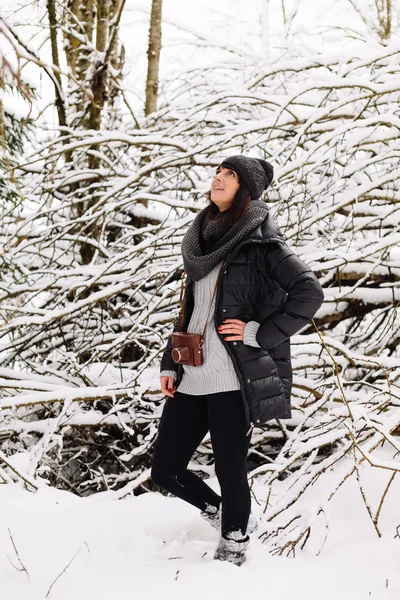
232 548
213 516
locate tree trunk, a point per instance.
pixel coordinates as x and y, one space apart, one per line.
79 18
153 55
51 10
90 31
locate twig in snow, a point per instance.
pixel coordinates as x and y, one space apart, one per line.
63 571
365 500
376 519
23 568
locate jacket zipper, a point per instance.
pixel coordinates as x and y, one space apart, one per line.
233 357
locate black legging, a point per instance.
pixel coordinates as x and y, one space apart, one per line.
184 423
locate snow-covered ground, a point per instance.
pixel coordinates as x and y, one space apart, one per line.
151 546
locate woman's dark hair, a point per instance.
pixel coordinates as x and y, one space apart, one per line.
238 207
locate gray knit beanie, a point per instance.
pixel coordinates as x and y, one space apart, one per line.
256 173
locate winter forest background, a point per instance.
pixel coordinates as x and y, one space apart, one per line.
106 154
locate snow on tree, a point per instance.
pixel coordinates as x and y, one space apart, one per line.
83 331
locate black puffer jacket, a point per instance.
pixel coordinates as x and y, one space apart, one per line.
262 280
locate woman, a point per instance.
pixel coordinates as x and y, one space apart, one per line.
264 295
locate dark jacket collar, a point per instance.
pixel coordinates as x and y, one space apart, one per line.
268 230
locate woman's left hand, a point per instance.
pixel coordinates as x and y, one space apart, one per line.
232 326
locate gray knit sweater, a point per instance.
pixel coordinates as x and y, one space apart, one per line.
217 373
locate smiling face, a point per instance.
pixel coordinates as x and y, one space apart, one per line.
224 186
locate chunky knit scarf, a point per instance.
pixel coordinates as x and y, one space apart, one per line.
204 246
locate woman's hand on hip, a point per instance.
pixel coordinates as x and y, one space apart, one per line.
168 386
234 327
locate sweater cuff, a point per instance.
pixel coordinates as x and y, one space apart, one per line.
168 374
250 332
